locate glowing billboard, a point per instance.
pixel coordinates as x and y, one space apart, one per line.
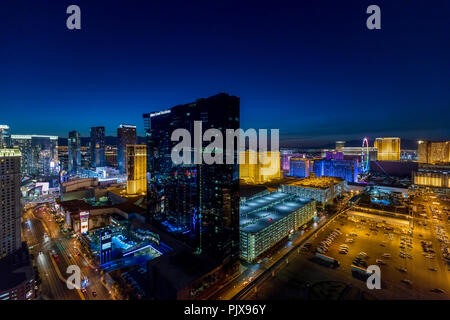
84 221
105 245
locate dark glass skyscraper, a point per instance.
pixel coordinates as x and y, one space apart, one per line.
39 154
98 147
5 136
126 135
74 151
201 198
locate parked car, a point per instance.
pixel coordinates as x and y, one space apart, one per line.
407 281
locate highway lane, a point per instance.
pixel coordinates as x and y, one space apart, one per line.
51 287
71 254
70 257
43 234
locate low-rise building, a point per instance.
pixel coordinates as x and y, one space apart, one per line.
78 184
82 217
321 189
17 276
436 177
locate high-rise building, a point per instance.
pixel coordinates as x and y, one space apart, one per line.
63 157
98 147
212 207
85 152
74 151
5 136
388 149
340 146
182 191
111 156
17 276
285 160
39 154
126 135
300 167
136 169
346 169
9 201
264 167
433 152
158 127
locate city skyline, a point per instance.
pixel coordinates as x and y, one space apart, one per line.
209 151
322 73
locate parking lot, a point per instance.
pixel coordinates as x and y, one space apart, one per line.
412 262
406 273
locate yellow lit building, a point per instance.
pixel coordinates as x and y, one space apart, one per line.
430 179
254 170
136 169
433 152
435 176
388 149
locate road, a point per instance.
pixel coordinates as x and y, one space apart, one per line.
43 235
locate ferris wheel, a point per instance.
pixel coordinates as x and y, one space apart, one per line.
365 155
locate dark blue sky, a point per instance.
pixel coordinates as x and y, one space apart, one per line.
310 68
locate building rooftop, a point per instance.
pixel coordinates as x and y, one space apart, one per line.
262 202
249 190
30 136
316 182
259 213
76 206
182 268
10 153
15 268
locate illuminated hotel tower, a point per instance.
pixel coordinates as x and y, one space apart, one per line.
136 169
74 150
259 171
39 154
10 239
5 136
433 152
98 147
17 275
388 149
210 192
126 135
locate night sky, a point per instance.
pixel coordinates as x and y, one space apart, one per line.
310 68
